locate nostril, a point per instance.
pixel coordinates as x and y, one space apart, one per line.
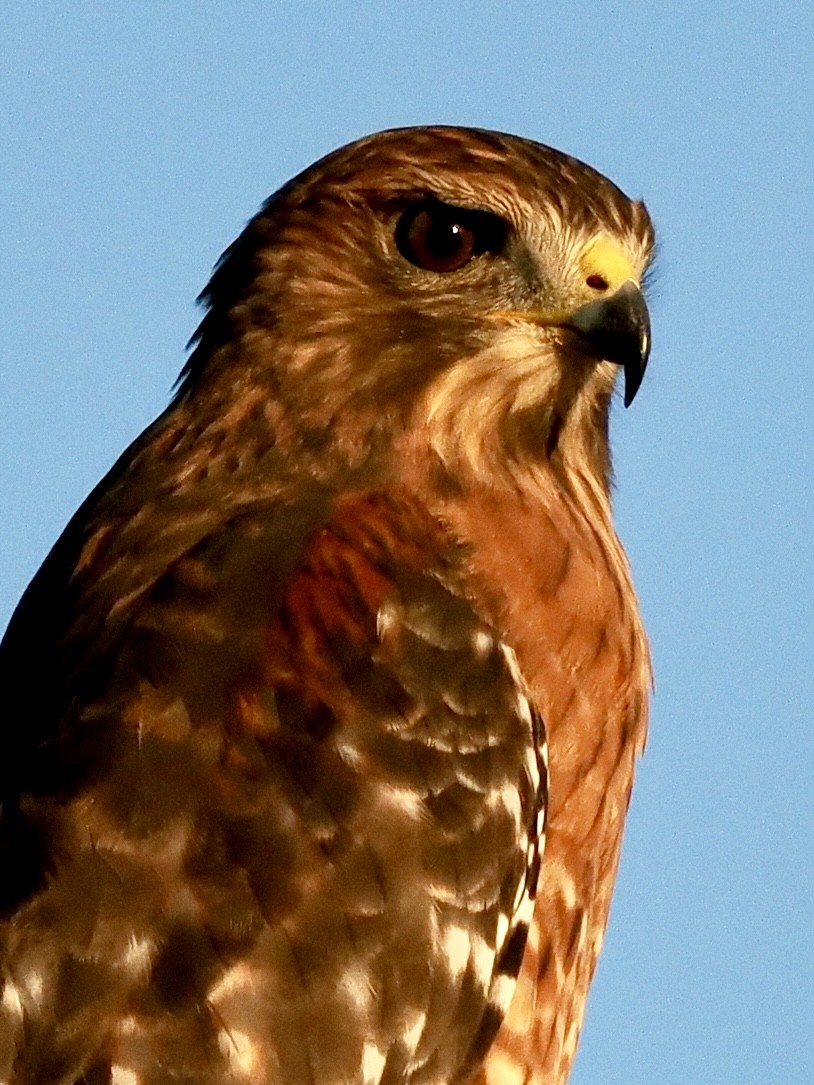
597 282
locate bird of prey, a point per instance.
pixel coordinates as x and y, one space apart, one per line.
339 640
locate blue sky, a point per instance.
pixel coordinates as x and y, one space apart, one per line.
136 144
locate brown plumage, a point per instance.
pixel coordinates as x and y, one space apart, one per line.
297 692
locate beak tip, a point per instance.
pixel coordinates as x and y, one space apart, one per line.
634 374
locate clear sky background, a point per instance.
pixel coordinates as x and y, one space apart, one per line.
135 143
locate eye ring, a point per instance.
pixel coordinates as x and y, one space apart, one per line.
437 237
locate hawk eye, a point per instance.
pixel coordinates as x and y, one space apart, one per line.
437 237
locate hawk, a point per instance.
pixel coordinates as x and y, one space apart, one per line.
298 693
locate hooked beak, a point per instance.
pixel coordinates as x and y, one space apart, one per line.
618 329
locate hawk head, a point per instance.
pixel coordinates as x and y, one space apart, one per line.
476 290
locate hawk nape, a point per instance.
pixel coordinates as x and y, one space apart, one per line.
295 696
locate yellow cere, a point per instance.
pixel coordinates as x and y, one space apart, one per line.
606 258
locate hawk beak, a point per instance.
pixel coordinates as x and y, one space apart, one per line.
618 328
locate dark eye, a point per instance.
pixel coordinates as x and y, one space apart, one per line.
437 237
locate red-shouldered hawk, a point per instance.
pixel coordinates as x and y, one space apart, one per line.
274 777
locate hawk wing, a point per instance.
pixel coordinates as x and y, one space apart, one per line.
297 825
